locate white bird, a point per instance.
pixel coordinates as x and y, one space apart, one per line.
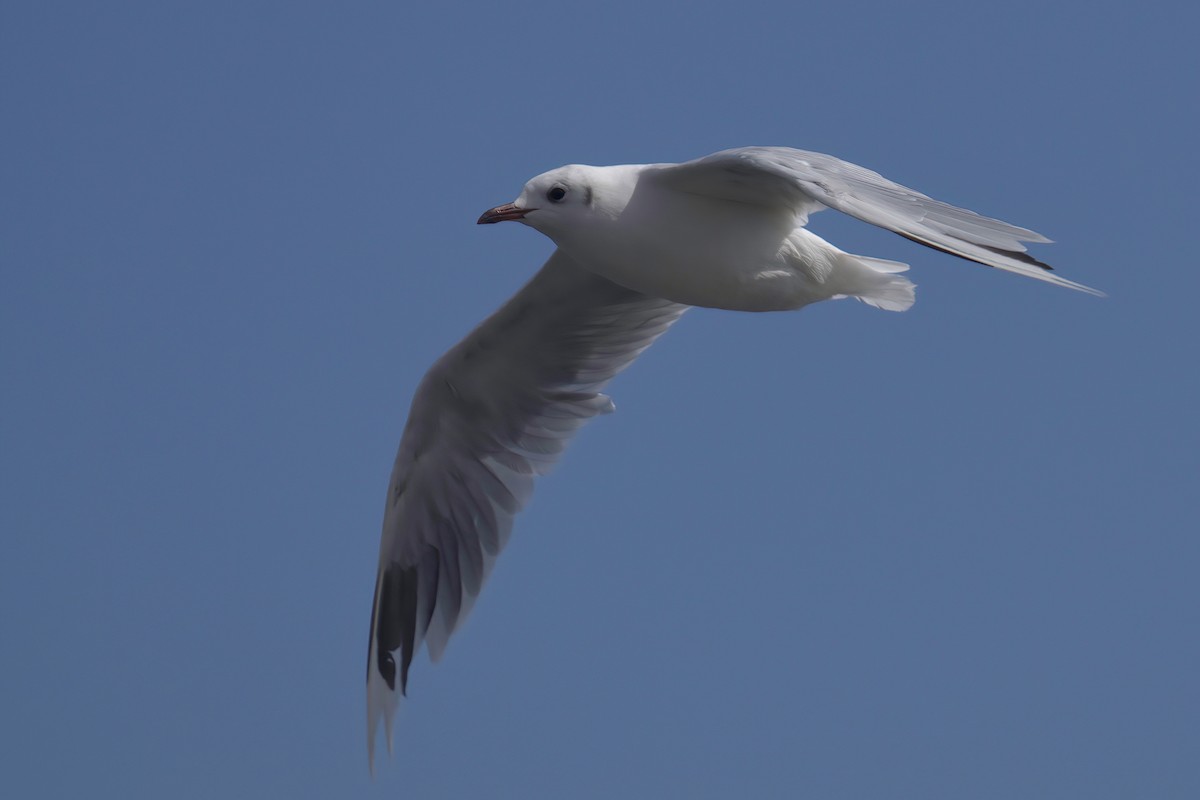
637 245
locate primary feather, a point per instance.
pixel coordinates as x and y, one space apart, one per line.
492 413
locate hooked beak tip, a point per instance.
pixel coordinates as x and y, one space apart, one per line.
508 211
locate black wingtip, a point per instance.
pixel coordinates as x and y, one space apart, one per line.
1016 255
1019 255
394 624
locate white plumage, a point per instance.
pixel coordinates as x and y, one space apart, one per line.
637 245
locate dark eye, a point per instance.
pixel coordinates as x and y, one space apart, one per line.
556 194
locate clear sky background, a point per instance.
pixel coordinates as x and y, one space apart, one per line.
838 553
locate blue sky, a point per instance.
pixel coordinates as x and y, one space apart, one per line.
838 553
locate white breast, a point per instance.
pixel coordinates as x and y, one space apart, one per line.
698 250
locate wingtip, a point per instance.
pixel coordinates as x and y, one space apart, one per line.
381 710
1079 287
373 722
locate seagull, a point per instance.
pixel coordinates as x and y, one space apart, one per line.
637 245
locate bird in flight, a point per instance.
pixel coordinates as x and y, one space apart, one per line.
636 246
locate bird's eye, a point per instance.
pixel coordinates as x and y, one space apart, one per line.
556 194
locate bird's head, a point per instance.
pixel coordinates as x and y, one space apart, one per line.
570 198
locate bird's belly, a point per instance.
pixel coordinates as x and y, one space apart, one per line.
713 269
703 251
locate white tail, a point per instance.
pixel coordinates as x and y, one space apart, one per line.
877 282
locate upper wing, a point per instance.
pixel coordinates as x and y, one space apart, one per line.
496 410
810 181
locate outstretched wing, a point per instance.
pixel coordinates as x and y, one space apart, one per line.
808 182
494 412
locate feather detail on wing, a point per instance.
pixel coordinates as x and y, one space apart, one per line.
808 181
493 413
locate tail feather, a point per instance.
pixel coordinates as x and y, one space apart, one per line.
882 264
877 282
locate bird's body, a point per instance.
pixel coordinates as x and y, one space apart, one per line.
736 256
637 245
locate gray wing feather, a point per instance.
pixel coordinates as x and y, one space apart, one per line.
493 413
808 182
